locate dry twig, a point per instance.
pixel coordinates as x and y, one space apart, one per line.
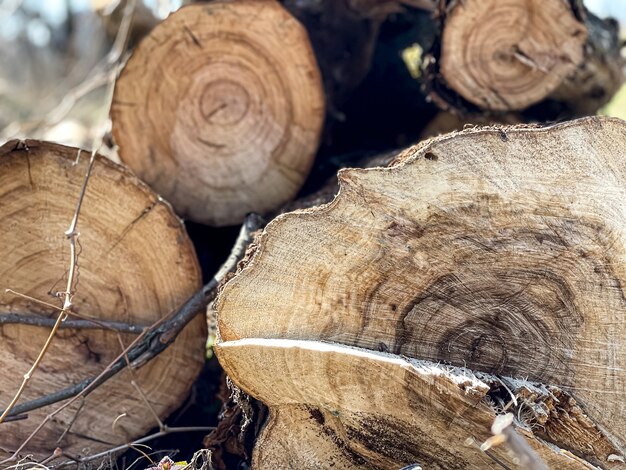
72 232
45 322
150 343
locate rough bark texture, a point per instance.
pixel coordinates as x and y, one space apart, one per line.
599 76
135 265
220 109
553 58
344 34
497 249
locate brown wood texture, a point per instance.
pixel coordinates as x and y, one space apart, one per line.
220 109
136 265
498 249
333 406
506 55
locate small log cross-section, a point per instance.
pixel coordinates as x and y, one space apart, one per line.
501 250
508 54
220 109
135 265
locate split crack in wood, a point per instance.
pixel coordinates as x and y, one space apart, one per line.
486 257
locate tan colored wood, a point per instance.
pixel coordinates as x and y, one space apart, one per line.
220 109
333 406
136 265
508 54
500 249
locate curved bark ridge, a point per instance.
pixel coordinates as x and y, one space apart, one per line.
500 250
507 55
135 265
221 119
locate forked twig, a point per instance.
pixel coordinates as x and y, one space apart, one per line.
72 233
150 343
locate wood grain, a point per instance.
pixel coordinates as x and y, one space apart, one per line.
136 265
339 407
509 54
498 249
220 109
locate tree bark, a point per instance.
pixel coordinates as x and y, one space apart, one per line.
220 109
344 34
480 273
135 266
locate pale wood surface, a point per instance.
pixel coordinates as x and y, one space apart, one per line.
220 109
498 249
136 265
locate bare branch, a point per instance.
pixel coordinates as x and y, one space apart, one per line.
123 447
45 322
72 233
150 343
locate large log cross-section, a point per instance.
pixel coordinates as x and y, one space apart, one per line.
135 265
482 272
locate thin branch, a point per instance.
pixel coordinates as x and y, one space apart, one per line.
88 323
45 322
72 233
151 437
150 343
148 404
8 419
71 423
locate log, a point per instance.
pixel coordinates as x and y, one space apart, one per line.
513 55
344 34
372 410
494 257
220 109
135 265
509 55
358 45
599 77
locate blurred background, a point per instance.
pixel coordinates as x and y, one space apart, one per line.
56 58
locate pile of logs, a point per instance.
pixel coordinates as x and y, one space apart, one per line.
457 304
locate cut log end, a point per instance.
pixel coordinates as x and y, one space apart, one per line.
341 407
135 265
508 55
220 109
486 249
